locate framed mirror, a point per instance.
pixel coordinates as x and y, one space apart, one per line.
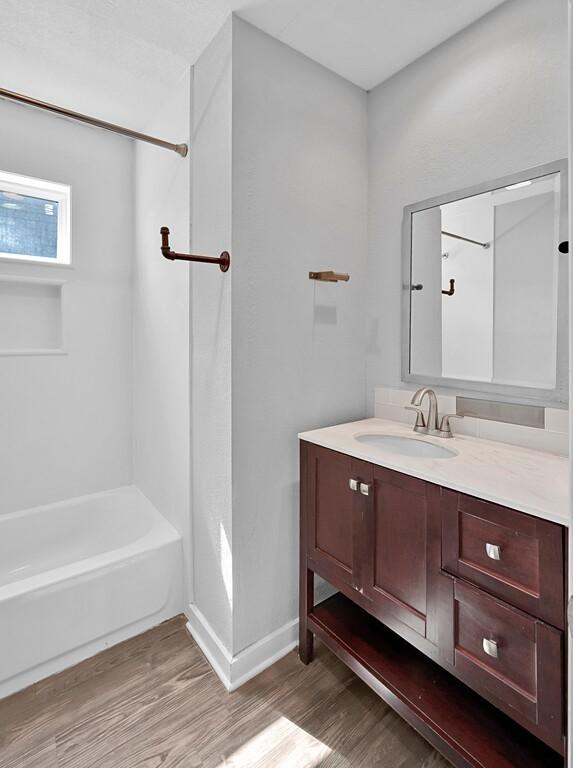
485 288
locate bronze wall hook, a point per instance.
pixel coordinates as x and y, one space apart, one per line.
329 277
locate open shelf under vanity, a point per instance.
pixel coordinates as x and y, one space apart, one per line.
454 719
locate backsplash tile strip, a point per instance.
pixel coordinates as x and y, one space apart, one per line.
509 413
557 420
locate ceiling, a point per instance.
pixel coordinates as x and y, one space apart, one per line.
365 41
115 58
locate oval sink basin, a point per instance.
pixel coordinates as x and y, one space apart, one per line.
407 446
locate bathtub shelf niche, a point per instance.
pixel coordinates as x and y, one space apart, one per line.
31 316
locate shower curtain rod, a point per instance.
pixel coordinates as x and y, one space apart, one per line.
181 149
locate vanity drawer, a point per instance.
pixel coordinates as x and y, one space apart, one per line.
513 660
514 556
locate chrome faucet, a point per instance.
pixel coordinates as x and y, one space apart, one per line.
430 426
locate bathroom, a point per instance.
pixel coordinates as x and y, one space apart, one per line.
154 588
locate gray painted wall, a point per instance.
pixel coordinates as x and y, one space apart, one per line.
488 102
299 204
280 179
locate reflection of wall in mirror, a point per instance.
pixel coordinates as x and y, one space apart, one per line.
467 316
525 307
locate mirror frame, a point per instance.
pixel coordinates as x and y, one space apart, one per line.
511 393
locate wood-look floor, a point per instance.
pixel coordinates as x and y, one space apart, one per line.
154 702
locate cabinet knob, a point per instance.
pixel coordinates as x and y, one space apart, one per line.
353 484
490 647
365 489
493 551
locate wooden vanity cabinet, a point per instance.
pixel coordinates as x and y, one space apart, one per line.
419 559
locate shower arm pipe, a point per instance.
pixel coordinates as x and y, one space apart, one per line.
465 239
224 260
181 149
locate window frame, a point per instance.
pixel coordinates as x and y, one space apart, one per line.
45 190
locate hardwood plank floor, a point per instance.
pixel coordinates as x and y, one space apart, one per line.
154 702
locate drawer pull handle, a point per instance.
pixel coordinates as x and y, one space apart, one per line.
493 551
365 489
490 647
353 484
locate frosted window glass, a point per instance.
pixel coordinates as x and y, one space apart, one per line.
28 225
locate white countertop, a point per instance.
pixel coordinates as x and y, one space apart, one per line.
531 481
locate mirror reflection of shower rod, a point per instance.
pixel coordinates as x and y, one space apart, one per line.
465 239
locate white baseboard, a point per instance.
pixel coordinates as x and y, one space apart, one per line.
234 671
263 653
214 650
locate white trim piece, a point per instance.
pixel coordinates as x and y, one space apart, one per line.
570 579
213 649
31 352
36 280
31 183
264 653
234 671
36 262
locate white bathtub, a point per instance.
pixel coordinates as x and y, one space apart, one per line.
78 576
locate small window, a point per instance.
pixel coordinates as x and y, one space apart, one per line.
34 220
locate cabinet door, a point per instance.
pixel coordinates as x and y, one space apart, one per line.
335 515
395 566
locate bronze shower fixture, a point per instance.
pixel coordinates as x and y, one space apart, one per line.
224 260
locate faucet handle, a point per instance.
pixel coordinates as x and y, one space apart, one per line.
445 422
420 420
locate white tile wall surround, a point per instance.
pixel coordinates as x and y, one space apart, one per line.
389 404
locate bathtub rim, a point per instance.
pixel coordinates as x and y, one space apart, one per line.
70 502
160 534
